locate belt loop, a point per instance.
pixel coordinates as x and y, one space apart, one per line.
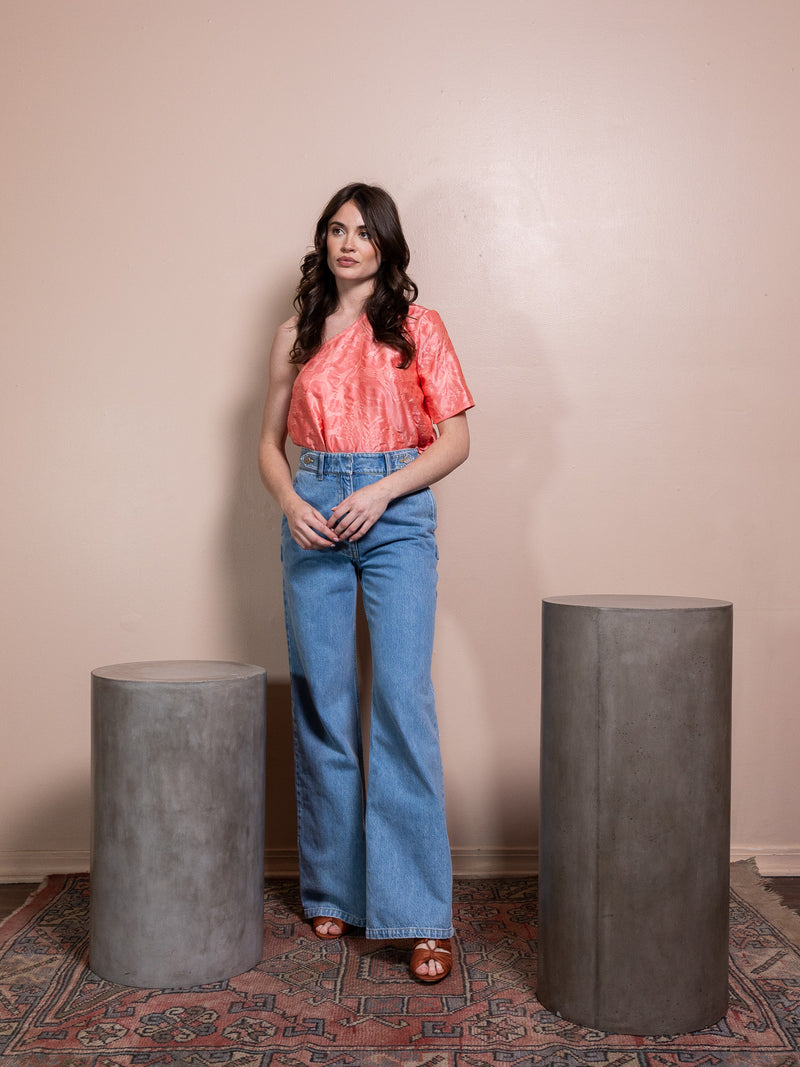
387 459
320 465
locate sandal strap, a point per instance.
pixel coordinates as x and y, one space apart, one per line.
431 950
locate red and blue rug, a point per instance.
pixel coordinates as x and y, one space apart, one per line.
350 1003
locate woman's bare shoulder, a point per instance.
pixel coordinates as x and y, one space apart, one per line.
288 328
285 334
282 344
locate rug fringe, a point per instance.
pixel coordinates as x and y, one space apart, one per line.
748 882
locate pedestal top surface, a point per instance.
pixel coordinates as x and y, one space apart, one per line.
178 670
626 602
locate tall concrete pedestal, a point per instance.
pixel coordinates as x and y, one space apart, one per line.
178 776
635 812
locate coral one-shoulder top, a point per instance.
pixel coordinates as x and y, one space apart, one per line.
352 397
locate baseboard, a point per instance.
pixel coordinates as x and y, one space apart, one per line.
467 862
771 862
278 863
495 862
34 866
524 862
281 863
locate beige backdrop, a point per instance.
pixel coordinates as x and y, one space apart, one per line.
602 201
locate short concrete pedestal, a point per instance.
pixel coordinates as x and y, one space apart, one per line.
635 812
178 777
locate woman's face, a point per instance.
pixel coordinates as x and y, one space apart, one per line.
352 257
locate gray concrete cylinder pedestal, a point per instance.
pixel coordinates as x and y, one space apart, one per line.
635 812
178 786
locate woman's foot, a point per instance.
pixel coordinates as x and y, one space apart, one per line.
328 929
431 960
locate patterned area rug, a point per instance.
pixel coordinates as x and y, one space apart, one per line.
350 1003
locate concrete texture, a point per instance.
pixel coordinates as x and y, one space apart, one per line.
177 870
635 812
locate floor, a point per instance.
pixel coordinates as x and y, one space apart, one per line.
13 895
788 889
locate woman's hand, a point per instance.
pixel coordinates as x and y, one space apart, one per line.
359 512
307 526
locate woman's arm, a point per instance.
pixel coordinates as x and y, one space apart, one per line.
351 519
306 525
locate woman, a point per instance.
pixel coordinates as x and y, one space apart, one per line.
358 379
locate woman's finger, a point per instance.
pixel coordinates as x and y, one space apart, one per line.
312 531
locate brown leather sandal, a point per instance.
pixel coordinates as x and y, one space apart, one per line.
320 920
430 950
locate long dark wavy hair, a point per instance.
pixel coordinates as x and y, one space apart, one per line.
387 307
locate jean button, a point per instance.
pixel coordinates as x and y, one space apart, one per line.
308 460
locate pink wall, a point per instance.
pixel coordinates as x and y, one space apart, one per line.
601 199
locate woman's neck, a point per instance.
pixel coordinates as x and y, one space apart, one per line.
348 310
353 299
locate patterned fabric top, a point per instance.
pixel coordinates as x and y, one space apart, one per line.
352 397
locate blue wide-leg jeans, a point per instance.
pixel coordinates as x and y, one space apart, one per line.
374 853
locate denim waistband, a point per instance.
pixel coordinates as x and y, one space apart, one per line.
355 462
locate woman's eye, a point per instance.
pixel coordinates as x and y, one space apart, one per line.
364 235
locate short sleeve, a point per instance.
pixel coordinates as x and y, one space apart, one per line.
440 376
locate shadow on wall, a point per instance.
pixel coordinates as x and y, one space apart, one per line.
251 545
250 554
490 599
281 819
489 625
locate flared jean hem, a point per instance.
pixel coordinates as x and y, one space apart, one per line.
417 932
331 911
378 934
